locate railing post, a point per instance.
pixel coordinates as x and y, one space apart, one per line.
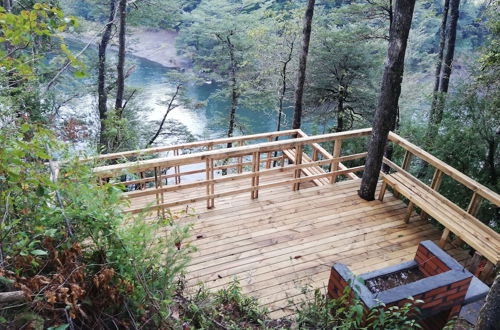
177 169
475 203
240 159
156 188
437 178
269 154
405 165
255 172
298 161
337 147
209 164
472 209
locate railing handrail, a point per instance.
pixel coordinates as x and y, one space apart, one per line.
189 145
137 166
453 173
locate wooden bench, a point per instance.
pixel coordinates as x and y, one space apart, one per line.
308 171
472 231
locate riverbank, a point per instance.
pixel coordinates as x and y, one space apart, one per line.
153 45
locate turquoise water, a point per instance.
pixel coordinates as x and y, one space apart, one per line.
208 121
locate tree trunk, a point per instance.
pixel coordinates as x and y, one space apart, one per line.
301 77
387 107
489 315
444 80
439 62
283 87
120 67
102 97
340 113
234 91
490 161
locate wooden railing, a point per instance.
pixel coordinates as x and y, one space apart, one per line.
247 164
468 216
250 162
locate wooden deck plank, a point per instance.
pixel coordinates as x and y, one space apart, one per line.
286 239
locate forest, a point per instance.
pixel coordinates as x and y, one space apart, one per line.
81 78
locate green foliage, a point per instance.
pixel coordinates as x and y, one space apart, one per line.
227 308
23 34
320 312
73 230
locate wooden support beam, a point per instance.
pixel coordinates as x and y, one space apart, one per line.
383 188
475 203
298 160
444 237
437 178
474 263
255 177
404 165
177 169
240 160
409 212
269 154
337 147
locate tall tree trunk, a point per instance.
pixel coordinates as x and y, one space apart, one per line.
283 87
301 77
439 61
234 90
120 67
340 113
389 95
489 315
444 80
102 97
490 161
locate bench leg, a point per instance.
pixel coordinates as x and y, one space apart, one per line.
410 211
383 188
444 237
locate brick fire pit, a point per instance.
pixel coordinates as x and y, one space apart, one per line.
433 276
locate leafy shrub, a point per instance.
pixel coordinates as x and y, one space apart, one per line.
67 244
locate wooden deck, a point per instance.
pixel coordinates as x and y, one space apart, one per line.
280 217
287 240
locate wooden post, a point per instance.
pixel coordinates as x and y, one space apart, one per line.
162 197
255 171
177 169
156 188
240 160
209 164
475 203
315 155
444 237
335 164
298 161
474 263
269 154
383 188
437 178
409 212
404 165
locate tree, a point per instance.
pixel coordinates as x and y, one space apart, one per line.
443 67
341 88
120 68
389 95
102 94
301 77
489 315
216 37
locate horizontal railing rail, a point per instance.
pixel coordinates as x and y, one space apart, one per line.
209 144
240 151
252 162
439 165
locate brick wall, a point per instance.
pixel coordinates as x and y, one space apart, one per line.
428 263
336 284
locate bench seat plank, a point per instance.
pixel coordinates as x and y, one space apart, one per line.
475 233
